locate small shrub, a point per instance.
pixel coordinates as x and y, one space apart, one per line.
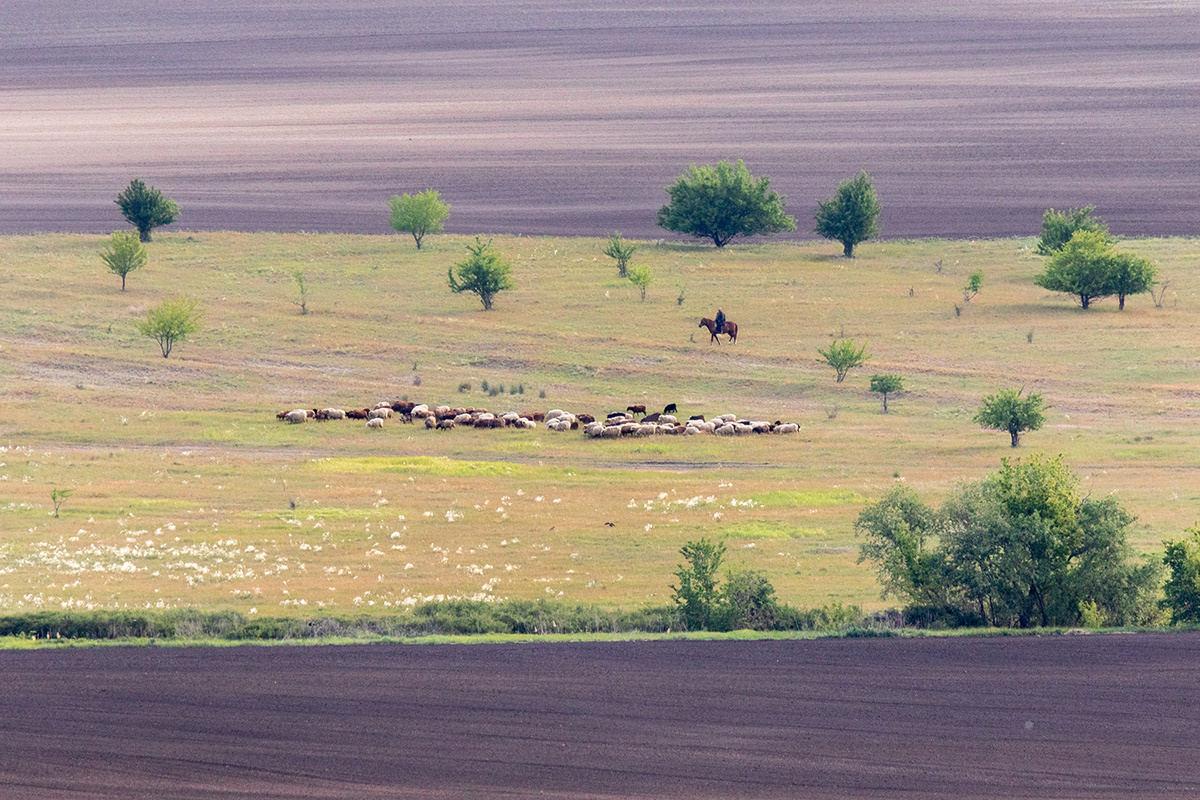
843 356
464 387
542 394
416 380
483 386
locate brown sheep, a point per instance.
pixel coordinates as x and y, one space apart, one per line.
445 425
638 409
586 418
403 407
355 414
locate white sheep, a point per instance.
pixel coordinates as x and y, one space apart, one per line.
375 422
296 416
380 413
334 413
787 427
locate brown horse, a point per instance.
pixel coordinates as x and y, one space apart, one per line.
730 328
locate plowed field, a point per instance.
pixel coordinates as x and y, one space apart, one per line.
555 117
1061 717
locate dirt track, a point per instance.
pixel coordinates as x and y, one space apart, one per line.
563 117
1062 717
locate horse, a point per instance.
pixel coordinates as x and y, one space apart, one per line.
730 328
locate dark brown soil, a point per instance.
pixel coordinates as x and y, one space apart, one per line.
556 117
1058 717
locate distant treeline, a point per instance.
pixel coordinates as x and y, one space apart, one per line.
451 617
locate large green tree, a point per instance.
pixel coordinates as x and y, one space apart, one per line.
1059 226
723 201
1182 589
697 595
146 208
1083 267
1021 548
852 215
483 273
1007 411
419 214
1129 274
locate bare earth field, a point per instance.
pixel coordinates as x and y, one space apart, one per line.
1061 717
569 118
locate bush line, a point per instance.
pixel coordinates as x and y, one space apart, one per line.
450 617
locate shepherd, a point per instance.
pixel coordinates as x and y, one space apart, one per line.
720 321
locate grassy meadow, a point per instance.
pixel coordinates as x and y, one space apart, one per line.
187 492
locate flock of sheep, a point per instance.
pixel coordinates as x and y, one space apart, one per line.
616 424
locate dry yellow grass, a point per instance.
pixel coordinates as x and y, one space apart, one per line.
179 467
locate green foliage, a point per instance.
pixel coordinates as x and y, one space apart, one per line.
1008 411
974 284
483 273
146 208
123 254
697 596
748 602
622 251
58 496
843 357
1059 226
900 532
850 216
723 201
640 277
1083 267
302 287
1018 549
1182 589
419 214
171 321
1129 274
885 385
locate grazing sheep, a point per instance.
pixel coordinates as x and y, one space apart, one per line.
671 409
380 413
333 413
612 431
696 417
464 419
538 416
646 430
375 422
382 405
667 418
296 416
637 409
420 411
403 407
356 414
445 425
651 417
787 427
725 430
430 422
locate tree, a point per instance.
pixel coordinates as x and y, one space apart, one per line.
885 385
722 202
850 216
419 214
622 251
302 288
748 601
1008 411
146 208
640 277
900 534
843 357
1059 226
1129 274
123 253
1020 548
1182 589
171 321
974 284
1083 267
696 595
58 497
482 273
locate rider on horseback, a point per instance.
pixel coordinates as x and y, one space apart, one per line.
720 321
